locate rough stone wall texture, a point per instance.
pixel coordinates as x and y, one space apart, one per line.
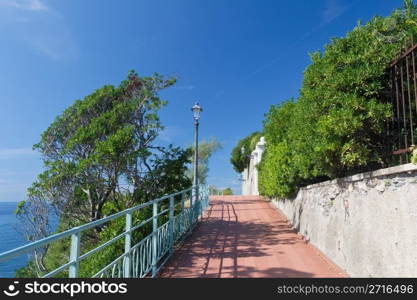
366 224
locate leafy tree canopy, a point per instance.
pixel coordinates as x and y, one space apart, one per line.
337 126
205 150
241 153
100 157
227 192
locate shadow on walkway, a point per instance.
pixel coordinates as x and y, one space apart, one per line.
246 237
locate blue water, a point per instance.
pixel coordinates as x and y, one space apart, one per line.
10 238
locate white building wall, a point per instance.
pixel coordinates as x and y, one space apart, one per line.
250 174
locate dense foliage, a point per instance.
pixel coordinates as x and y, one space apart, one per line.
227 192
100 157
337 126
241 153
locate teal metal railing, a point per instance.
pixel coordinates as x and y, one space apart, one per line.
146 257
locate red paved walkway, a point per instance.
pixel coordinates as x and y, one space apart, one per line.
244 236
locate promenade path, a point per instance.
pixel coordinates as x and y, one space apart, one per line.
244 236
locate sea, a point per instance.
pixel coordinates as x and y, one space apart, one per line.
10 238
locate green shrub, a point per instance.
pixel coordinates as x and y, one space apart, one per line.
227 192
240 160
337 126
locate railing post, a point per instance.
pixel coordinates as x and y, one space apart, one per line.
201 203
128 245
207 201
197 205
190 227
202 198
154 238
74 254
171 224
206 192
182 212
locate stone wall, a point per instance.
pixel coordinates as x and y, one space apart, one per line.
366 224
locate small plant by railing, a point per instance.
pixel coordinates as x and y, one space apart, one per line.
147 256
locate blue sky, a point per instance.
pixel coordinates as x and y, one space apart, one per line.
236 57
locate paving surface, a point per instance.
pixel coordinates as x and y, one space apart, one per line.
244 236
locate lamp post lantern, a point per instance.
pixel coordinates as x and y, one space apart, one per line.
196 109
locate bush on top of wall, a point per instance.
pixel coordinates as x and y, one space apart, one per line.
337 125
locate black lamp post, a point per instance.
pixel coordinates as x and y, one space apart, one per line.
196 109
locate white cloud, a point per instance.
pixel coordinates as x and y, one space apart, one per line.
33 5
9 153
39 27
12 191
333 9
57 44
11 185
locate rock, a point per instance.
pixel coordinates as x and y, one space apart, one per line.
372 183
380 187
333 193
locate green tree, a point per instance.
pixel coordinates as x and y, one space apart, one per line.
98 141
205 150
227 192
240 159
100 157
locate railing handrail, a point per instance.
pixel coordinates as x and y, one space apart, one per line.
77 230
